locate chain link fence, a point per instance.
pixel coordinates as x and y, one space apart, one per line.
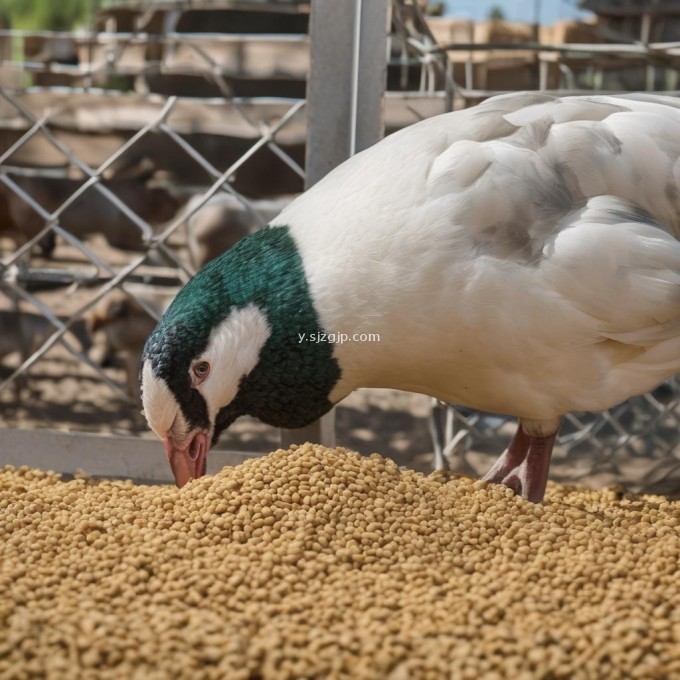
109 187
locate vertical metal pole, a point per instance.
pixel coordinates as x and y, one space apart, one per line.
542 73
334 91
345 109
645 34
469 64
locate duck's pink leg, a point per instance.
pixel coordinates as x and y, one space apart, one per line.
525 464
511 458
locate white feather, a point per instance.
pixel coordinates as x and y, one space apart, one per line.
519 257
160 406
233 351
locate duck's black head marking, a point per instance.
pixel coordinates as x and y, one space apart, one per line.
290 383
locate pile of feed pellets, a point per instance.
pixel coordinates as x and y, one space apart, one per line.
321 563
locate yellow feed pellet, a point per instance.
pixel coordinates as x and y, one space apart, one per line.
320 563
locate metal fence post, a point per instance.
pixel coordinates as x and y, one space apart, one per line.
345 109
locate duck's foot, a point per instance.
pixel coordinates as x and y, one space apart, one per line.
525 464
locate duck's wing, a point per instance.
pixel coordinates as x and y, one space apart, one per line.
506 172
517 166
576 209
591 321
620 268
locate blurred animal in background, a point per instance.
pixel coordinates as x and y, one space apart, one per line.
119 327
22 333
91 213
224 220
9 229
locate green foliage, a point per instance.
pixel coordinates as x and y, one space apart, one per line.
435 9
496 13
51 15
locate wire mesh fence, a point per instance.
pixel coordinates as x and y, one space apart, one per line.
18 277
633 445
108 184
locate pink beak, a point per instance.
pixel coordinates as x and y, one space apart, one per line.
188 460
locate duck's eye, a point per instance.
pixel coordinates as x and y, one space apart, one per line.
201 370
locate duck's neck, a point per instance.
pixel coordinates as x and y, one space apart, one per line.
291 384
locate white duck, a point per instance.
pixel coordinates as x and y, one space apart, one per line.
518 257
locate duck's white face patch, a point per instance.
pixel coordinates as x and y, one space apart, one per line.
160 406
233 351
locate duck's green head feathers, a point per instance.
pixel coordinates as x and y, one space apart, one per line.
229 345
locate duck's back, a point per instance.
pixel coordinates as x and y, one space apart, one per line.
515 161
527 228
